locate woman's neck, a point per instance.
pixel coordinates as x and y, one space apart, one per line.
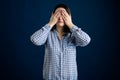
60 30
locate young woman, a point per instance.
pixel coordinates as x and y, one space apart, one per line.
60 37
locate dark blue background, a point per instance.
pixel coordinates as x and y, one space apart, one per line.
21 60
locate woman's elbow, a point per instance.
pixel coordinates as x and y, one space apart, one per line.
85 42
35 41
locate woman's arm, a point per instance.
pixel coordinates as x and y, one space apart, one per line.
81 38
40 36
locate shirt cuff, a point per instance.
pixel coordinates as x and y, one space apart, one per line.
75 28
47 27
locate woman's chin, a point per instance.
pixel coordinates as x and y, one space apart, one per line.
60 24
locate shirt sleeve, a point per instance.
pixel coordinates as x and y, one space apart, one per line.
39 37
81 38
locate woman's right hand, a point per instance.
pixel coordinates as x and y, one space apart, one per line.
54 18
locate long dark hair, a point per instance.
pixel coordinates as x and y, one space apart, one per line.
66 29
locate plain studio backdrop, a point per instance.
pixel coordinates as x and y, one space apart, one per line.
21 60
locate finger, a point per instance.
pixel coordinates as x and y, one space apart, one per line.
64 18
64 12
57 15
57 11
66 15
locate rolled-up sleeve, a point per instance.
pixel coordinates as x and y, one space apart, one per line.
81 38
39 37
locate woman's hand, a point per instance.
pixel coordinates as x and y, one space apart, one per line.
67 18
54 18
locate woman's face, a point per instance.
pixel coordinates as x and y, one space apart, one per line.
60 22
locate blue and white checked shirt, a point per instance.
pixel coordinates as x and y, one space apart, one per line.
60 55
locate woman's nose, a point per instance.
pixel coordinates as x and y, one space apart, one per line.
60 18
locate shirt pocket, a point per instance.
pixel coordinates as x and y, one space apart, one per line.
70 48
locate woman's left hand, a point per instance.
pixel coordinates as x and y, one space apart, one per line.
67 19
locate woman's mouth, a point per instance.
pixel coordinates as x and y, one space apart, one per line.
60 21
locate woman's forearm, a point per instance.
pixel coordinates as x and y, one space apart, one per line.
40 36
81 37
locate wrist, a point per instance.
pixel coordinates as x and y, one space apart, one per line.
50 24
71 25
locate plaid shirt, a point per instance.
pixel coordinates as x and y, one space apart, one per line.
60 55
